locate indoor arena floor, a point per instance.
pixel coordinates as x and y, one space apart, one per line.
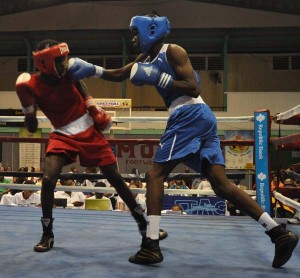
98 244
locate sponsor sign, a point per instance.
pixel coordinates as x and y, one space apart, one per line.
237 156
30 153
261 129
197 205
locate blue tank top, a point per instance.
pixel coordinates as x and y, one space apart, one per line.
162 63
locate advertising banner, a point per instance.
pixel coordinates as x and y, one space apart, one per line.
30 153
262 165
197 205
237 156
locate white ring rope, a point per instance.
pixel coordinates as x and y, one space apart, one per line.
286 201
288 114
111 190
43 119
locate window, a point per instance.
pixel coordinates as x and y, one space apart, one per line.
285 62
207 62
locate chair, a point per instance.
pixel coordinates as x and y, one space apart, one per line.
60 202
97 204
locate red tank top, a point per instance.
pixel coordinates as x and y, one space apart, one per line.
62 104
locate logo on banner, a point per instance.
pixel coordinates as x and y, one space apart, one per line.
261 160
239 156
261 176
260 118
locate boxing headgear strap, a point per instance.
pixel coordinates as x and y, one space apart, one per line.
45 59
150 29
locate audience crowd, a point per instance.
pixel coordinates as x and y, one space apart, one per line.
282 179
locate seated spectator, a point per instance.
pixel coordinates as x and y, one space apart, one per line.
9 169
166 185
26 197
294 175
289 183
87 182
196 183
18 180
98 195
140 198
204 185
178 184
74 199
175 209
3 180
188 180
6 199
274 183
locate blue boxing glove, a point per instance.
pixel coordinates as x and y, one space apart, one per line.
79 69
149 74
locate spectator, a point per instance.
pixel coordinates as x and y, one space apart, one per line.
275 183
3 180
74 199
26 197
98 195
139 198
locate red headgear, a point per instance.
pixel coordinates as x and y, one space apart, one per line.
45 59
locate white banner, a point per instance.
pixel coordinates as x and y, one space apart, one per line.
237 156
30 153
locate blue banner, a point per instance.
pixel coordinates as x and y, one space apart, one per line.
197 205
261 129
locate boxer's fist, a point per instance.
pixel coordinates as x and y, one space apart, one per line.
149 74
31 123
101 118
79 69
25 92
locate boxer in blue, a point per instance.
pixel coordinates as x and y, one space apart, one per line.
190 136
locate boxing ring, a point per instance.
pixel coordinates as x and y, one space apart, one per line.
98 243
287 196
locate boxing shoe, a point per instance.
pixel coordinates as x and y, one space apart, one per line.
47 239
139 218
162 234
148 254
285 243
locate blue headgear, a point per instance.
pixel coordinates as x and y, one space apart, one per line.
150 29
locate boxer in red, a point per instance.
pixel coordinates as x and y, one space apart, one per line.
77 130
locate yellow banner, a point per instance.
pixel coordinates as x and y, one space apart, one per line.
113 102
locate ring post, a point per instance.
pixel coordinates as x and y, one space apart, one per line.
262 122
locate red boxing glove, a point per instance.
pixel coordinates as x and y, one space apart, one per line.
101 118
25 90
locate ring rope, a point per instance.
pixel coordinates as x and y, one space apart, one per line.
289 142
44 119
12 139
286 201
291 116
126 177
111 190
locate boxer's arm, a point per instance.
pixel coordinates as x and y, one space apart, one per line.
101 118
79 69
25 93
123 73
185 82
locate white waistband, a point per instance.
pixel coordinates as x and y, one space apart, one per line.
184 100
77 126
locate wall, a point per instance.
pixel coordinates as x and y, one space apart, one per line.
246 73
116 15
